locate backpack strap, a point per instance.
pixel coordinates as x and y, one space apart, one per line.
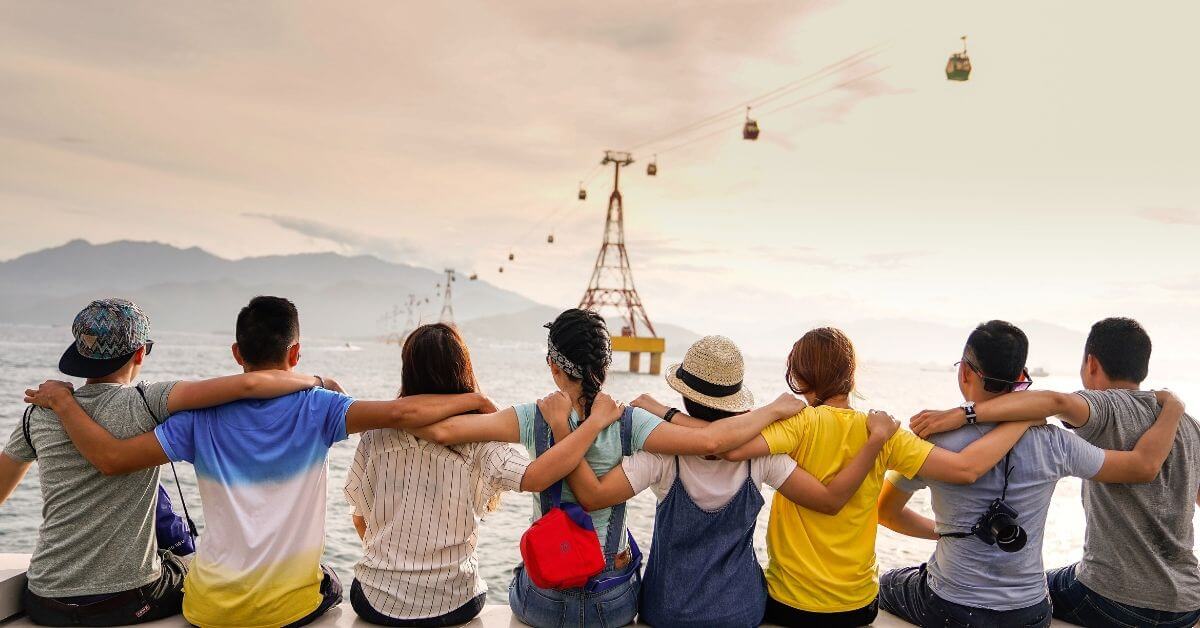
616 520
25 429
543 440
191 525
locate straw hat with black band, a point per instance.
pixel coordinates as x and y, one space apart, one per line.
711 375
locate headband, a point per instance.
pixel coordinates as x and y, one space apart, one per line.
564 363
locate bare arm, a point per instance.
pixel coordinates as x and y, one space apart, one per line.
658 409
499 426
110 455
721 436
1144 462
412 412
360 526
12 471
895 514
1016 406
756 448
569 446
220 390
807 491
979 457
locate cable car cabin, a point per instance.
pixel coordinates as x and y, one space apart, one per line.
474 277
550 239
582 194
511 257
652 168
750 131
958 68
501 269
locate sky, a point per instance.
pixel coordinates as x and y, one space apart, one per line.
1058 184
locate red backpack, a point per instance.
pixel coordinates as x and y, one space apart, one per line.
561 549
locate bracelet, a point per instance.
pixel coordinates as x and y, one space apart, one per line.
671 412
320 381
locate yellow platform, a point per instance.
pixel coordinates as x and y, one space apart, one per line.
635 346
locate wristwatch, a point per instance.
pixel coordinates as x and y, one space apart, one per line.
969 409
670 414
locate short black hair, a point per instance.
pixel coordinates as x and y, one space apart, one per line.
266 328
1122 347
999 349
705 413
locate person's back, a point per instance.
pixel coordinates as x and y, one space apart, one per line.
81 506
260 467
1154 567
421 566
823 563
967 571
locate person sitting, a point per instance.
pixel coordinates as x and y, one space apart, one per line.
579 353
1143 527
423 571
702 569
261 470
108 550
822 568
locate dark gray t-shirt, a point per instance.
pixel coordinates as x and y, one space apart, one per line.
970 572
1138 546
97 534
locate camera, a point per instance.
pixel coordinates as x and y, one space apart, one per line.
998 526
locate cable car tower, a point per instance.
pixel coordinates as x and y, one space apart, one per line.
447 315
612 286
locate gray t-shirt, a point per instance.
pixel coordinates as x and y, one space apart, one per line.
1138 546
97 534
970 572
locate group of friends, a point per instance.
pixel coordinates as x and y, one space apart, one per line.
435 460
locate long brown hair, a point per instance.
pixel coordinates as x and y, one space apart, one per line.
822 363
436 362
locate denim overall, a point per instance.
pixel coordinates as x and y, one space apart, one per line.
611 598
702 569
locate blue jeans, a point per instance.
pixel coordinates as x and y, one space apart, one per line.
1076 603
905 593
549 608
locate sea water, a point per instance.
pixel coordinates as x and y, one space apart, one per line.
510 373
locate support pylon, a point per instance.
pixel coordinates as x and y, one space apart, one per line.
612 278
447 315
612 281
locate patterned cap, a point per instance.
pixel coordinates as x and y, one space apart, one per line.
107 332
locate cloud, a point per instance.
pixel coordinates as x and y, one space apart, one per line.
1171 215
350 242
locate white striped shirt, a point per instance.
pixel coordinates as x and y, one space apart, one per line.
421 503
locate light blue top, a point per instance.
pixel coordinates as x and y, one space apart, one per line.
970 572
602 456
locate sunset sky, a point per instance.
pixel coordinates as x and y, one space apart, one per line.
1061 183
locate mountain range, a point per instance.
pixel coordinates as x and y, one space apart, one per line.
193 290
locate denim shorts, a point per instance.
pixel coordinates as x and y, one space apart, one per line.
573 608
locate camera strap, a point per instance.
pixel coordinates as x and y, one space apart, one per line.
1003 495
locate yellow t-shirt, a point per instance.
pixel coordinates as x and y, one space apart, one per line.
820 563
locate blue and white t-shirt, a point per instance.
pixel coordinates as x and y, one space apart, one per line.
260 466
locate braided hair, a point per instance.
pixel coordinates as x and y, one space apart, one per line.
581 336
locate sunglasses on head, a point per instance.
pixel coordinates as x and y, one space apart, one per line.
149 346
995 384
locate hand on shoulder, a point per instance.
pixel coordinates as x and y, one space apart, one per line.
49 393
606 410
881 425
787 405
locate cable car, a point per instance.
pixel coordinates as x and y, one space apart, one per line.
652 167
501 269
511 257
958 68
474 277
582 192
550 239
750 130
